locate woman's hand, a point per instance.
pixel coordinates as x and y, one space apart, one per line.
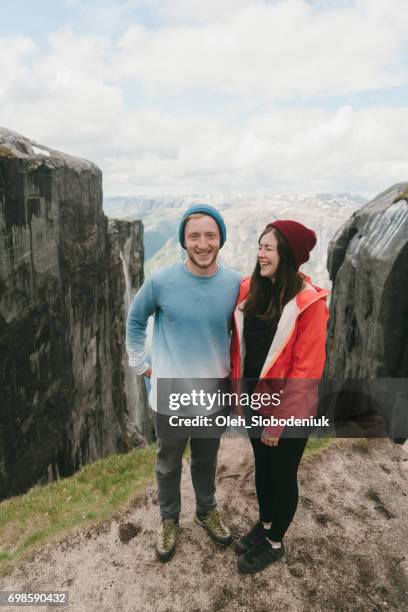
148 373
268 440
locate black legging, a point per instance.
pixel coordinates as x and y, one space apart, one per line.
276 482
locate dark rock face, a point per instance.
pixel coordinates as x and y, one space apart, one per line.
368 265
63 374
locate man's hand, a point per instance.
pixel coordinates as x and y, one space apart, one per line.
268 440
148 373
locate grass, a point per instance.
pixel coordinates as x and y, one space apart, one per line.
315 445
91 495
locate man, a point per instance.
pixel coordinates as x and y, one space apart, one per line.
193 304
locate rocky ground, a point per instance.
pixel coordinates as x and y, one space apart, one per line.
347 548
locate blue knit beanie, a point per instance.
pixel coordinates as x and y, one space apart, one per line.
205 209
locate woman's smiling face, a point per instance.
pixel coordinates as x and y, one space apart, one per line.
268 255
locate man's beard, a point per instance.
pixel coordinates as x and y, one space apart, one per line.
200 264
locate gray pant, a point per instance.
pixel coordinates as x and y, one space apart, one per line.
168 472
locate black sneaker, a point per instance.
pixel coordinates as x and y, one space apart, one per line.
251 538
259 556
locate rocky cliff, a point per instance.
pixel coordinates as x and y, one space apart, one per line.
368 326
368 266
66 276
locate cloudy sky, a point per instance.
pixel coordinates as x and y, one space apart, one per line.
213 96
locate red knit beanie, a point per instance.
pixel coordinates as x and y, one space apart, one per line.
300 239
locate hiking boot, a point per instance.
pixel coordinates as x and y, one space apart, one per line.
216 529
251 538
259 556
166 539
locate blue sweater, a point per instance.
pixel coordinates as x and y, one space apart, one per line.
192 324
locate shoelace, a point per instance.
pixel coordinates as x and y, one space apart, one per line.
167 531
216 520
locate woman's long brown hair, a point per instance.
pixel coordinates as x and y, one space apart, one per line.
266 299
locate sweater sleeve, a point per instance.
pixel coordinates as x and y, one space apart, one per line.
143 305
300 397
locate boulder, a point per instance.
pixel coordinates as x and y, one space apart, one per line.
368 328
368 266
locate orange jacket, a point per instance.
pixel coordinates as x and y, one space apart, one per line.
297 350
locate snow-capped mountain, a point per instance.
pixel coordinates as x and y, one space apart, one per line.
245 219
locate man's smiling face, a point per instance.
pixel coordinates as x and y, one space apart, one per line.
202 243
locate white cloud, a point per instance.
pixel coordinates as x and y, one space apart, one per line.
281 50
63 99
13 55
288 150
197 11
107 17
70 54
108 14
73 97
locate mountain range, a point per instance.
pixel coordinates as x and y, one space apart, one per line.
245 218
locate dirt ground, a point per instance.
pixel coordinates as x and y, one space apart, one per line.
347 548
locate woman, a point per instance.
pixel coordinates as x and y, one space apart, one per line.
279 333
